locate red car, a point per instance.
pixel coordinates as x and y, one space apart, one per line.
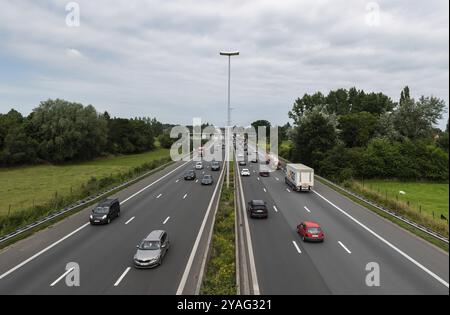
310 231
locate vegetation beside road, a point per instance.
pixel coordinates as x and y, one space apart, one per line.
220 274
423 203
351 134
58 131
36 191
432 240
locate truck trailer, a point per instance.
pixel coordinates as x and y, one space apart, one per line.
299 177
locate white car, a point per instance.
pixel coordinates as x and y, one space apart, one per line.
245 172
199 166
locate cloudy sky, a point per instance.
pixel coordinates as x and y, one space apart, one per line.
161 57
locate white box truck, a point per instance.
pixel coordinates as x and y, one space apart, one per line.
299 177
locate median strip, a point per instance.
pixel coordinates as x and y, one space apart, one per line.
220 275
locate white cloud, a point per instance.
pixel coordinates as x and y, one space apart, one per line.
160 58
73 53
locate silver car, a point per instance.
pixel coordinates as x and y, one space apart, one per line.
151 251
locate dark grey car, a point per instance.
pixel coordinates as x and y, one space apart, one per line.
207 180
151 251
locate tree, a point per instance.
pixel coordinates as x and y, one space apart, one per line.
284 132
306 104
405 96
19 148
357 129
314 136
338 102
166 141
443 141
68 131
262 123
415 119
12 119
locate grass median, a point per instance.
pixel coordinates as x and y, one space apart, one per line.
220 275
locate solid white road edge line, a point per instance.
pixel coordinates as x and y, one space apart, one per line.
62 277
121 277
42 251
188 268
344 247
81 227
296 247
255 284
412 260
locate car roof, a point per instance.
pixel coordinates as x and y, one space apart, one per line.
258 202
311 224
154 236
107 202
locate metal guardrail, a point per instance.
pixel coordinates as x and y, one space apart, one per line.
383 209
387 211
77 205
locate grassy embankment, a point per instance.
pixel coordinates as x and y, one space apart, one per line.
421 202
30 192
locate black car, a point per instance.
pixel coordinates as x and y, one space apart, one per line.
215 166
207 180
255 160
105 212
258 209
190 175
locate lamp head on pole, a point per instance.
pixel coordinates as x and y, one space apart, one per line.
229 53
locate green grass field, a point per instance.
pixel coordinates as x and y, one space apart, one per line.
22 186
430 196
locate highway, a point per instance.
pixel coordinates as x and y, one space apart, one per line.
36 265
355 237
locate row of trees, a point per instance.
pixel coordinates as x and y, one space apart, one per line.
58 131
350 133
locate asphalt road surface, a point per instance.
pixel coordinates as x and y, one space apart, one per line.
164 200
355 237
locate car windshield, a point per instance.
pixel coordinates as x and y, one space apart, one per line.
101 210
314 230
149 245
245 170
207 177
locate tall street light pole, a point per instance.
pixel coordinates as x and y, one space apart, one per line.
229 54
